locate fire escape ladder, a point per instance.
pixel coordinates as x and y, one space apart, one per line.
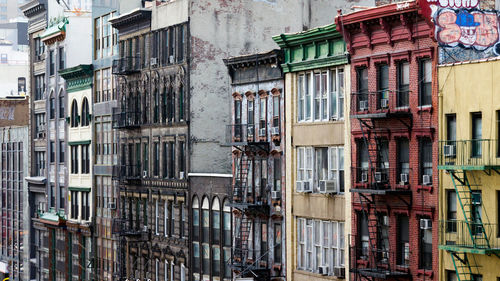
463 266
468 203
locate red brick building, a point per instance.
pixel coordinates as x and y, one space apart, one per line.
394 143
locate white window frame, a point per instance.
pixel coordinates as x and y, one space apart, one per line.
305 164
165 271
330 100
307 170
336 163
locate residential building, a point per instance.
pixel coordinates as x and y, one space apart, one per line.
393 111
469 196
316 79
36 12
258 187
14 134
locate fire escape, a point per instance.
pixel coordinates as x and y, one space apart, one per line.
472 235
376 186
246 204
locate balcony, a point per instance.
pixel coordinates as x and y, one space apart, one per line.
381 181
126 65
123 227
381 104
480 154
380 263
126 119
124 172
255 203
247 134
470 237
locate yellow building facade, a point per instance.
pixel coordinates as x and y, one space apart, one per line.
469 171
317 154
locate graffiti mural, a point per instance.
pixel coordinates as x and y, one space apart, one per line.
429 7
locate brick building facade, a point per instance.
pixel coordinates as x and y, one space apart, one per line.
394 143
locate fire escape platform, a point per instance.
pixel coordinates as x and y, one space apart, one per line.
470 250
383 115
382 191
469 167
381 273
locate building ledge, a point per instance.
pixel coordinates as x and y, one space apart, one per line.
36 180
470 250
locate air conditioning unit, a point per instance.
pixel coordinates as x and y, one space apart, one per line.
41 135
275 195
171 59
153 61
275 131
299 186
323 269
112 205
307 186
364 176
339 272
449 150
425 224
181 175
380 177
145 228
403 178
385 220
385 255
476 198
363 105
426 180
250 130
144 174
328 186
384 103
262 132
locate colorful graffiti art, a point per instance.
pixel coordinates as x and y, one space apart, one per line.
429 7
468 28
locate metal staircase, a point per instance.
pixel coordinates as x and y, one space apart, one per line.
463 267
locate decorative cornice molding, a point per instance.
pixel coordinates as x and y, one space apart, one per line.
78 78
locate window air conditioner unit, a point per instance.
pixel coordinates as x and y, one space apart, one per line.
250 130
145 228
262 132
380 177
328 186
153 61
384 103
181 175
403 178
426 180
385 255
275 131
307 186
299 186
364 176
275 195
171 59
323 270
112 205
425 224
339 272
144 174
476 198
385 220
363 105
450 150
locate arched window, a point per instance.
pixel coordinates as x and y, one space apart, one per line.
181 103
227 224
85 113
216 221
205 220
52 105
196 219
61 105
164 118
74 114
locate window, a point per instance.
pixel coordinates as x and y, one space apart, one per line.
39 164
320 94
166 217
157 269
227 225
426 248
85 113
85 159
196 257
182 159
172 218
277 174
85 206
263 115
156 155
425 78
104 85
105 37
215 261
336 167
403 79
403 156
61 105
451 128
62 58
196 219
304 166
156 106
319 243
328 167
451 275
451 211
206 259
171 160
227 263
216 221
52 152
145 158
52 106
39 49
364 235
74 159
52 63
180 43
165 270
477 135
276 112
403 245
277 243
74 204
205 220
383 86
426 159
157 214
39 87
74 114
362 94
62 149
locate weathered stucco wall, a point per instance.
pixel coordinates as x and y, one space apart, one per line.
221 29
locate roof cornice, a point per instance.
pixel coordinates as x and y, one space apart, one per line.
32 8
308 36
274 56
130 18
376 13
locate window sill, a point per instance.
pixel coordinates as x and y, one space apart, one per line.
425 108
426 272
425 188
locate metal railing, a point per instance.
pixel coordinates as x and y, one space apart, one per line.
126 65
468 234
126 172
383 261
243 133
383 101
126 119
478 152
382 178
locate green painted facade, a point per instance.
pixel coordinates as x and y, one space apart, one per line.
312 49
78 78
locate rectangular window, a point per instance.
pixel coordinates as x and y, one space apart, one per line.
196 257
166 226
383 86
362 94
451 127
171 160
364 235
145 158
304 167
277 243
52 63
157 214
262 116
62 58
276 112
277 174
403 239
62 197
426 248
180 43
403 79
477 135
216 261
74 159
182 159
206 259
451 211
39 87
165 159
426 161
105 37
321 166
62 149
156 154
451 275
74 204
52 152
301 85
425 78
85 159
403 156
336 167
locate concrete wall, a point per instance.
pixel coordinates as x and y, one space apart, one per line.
468 88
222 29
169 13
